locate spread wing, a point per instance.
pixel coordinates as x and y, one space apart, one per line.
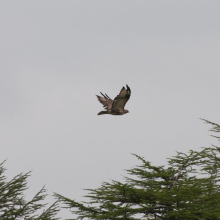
106 101
121 99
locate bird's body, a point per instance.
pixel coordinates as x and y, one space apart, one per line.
116 106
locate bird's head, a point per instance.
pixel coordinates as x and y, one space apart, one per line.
126 111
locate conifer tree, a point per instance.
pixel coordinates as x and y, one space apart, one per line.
186 188
13 205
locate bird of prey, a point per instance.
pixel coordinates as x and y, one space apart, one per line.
116 106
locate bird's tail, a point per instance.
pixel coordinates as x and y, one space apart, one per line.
102 113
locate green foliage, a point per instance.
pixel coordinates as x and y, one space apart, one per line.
186 188
12 200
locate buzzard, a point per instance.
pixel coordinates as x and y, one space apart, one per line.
116 106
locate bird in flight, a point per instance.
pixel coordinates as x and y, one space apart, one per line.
116 106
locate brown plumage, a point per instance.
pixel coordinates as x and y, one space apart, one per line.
116 106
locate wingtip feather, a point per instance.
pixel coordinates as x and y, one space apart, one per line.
128 88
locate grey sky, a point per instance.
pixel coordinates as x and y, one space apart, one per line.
56 55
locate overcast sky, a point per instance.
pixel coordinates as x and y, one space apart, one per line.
55 56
